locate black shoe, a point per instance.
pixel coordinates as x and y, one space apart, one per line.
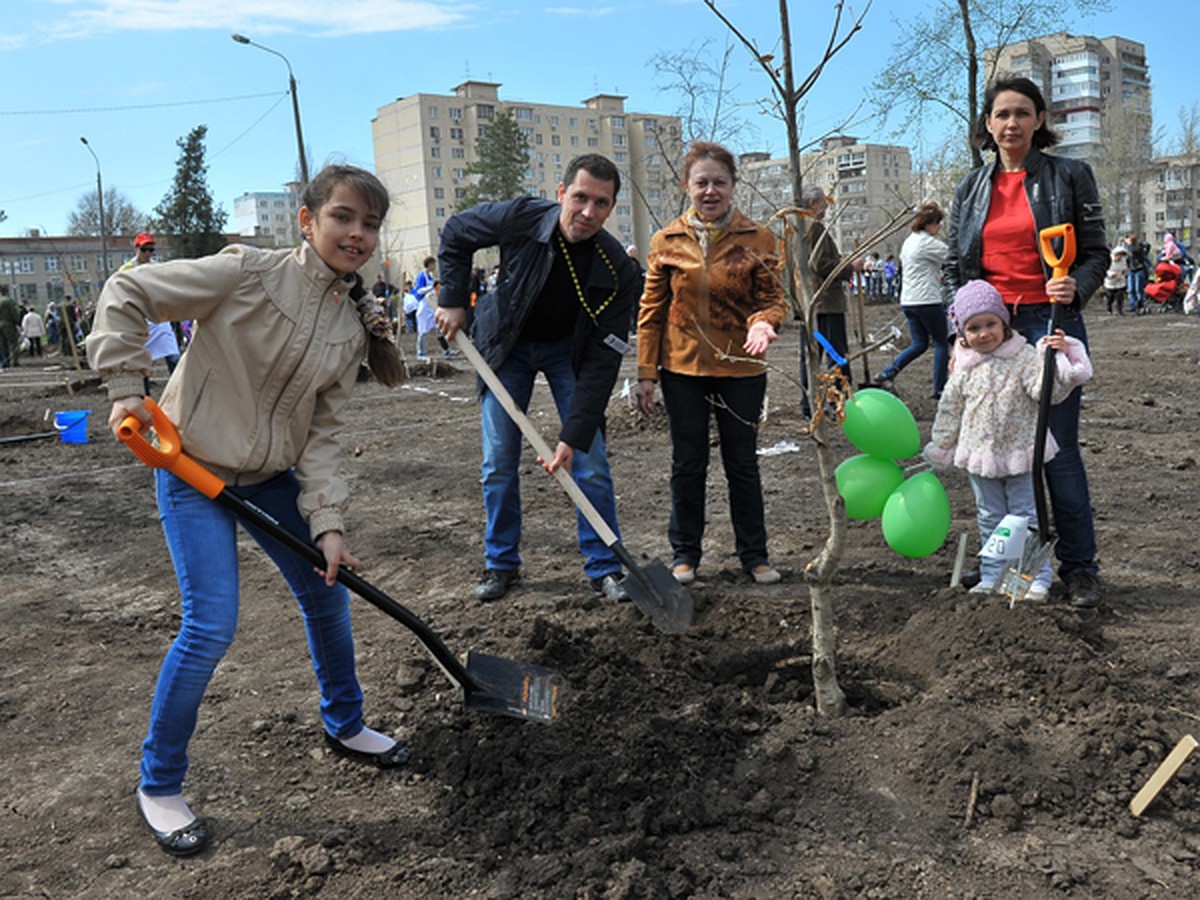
610 587
186 841
395 756
496 583
882 381
1083 590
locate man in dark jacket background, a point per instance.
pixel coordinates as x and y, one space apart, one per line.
561 307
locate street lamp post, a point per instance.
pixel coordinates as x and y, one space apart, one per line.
242 39
100 207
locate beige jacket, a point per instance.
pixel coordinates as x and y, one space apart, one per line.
276 349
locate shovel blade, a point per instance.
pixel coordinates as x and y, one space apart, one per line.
654 590
1017 580
506 687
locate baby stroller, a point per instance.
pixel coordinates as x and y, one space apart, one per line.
1168 287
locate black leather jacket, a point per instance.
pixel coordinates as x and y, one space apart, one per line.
524 230
1060 190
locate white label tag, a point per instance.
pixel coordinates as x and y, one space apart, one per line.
1008 540
619 345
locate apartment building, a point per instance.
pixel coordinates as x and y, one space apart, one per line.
1083 80
868 183
38 269
1171 201
269 214
424 143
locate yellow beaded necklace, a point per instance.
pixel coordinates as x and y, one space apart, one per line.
575 278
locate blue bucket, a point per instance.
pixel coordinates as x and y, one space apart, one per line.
72 425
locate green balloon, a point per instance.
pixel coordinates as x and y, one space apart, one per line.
916 517
877 422
865 483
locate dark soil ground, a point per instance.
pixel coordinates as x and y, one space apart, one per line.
988 752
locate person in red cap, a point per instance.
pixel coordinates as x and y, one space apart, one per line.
160 338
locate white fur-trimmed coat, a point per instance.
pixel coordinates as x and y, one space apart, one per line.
987 416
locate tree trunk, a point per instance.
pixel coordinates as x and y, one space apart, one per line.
818 574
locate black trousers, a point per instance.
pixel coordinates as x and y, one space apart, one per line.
737 404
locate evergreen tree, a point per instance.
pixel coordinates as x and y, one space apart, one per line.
187 212
503 157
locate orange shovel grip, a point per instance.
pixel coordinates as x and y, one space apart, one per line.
169 454
1061 264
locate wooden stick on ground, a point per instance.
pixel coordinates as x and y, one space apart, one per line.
972 799
1164 773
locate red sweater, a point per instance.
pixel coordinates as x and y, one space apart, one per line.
1011 261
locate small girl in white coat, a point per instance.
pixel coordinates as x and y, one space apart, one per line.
987 415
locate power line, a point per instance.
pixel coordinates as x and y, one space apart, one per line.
95 109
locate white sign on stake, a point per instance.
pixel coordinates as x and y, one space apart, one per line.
1008 540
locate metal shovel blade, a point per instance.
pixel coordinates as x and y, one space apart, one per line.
510 688
654 590
1016 581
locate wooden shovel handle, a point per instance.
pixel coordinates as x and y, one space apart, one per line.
606 534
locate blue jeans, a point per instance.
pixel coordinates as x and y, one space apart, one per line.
994 499
1066 478
926 323
690 401
502 446
201 536
1135 283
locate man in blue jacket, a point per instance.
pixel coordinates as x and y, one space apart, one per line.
561 307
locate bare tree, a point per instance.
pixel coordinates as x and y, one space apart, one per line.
121 216
938 61
1188 141
1120 164
800 283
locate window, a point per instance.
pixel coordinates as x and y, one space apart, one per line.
78 262
618 140
485 111
455 113
435 152
458 153
435 133
432 110
437 172
618 121
456 174
620 156
523 114
555 140
440 212
456 134
459 193
593 142
52 264
480 131
537 138
554 121
574 122
439 193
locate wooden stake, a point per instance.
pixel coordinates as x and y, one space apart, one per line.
1164 773
972 798
959 557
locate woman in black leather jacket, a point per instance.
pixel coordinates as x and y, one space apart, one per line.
998 210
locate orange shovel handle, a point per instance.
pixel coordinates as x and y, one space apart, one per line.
1062 263
168 455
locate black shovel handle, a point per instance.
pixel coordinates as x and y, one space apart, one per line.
168 455
1061 265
